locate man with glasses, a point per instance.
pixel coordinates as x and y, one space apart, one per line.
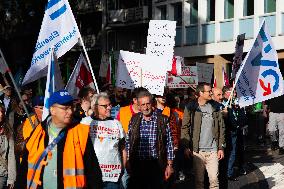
202 136
149 146
108 140
59 154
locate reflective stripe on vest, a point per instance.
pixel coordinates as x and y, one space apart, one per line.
73 172
73 152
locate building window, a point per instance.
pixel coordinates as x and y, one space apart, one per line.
228 9
210 10
194 12
269 6
178 13
163 12
248 7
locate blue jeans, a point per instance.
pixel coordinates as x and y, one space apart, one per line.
232 153
125 179
111 185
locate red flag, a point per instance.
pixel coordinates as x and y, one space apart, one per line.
176 65
215 82
80 77
84 77
225 78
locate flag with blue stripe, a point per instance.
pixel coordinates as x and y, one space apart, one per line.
59 30
51 86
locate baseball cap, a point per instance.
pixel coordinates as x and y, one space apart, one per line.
61 97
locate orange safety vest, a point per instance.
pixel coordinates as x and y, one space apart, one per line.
125 117
73 165
28 128
166 111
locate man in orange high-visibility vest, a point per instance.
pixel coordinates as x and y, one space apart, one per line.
58 154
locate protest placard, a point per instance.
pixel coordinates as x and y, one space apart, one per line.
187 78
205 72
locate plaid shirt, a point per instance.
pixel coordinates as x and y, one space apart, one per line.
148 137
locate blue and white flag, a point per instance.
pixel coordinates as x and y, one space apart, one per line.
53 82
59 30
259 77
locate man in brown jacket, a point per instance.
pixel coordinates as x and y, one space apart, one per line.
202 135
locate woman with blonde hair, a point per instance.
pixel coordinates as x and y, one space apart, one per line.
7 155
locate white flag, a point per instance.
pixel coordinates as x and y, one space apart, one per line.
59 30
80 77
53 82
259 77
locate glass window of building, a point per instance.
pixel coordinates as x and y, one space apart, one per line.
163 12
178 13
194 12
228 9
269 6
210 10
248 7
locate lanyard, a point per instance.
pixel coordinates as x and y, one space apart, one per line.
45 152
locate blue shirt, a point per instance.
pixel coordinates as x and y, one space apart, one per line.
147 149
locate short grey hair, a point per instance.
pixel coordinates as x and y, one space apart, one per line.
95 99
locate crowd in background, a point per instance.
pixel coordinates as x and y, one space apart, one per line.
134 139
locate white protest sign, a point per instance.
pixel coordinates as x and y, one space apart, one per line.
259 77
205 72
129 70
161 40
187 78
130 67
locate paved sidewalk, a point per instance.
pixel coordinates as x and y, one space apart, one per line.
265 170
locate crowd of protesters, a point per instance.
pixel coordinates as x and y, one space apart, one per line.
123 139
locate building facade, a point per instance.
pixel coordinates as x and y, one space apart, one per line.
125 24
207 29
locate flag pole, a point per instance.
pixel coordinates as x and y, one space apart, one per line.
5 79
89 63
17 90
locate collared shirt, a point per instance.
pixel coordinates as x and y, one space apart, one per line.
147 149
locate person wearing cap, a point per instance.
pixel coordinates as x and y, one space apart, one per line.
59 154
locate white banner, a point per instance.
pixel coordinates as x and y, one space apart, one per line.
132 65
59 30
259 77
205 72
187 78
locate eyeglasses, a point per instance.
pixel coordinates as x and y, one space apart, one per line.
65 108
105 105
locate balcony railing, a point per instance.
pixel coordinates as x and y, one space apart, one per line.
128 15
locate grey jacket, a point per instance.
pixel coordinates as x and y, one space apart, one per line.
7 159
191 127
